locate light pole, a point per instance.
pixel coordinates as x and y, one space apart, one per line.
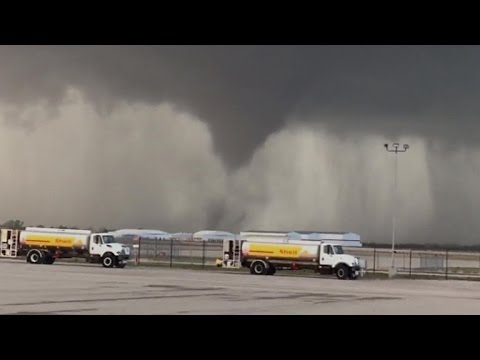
395 149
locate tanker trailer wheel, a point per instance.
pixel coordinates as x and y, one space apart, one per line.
108 261
258 268
35 257
342 272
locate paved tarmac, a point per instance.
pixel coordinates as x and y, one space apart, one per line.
90 289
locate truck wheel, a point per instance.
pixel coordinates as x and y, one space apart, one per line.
258 268
342 272
35 257
352 276
108 261
49 259
120 265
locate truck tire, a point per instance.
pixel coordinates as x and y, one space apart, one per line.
352 276
49 259
271 270
108 261
258 268
120 265
342 272
35 257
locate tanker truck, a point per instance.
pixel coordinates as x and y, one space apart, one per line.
265 258
44 245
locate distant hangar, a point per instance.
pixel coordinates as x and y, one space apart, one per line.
143 233
347 239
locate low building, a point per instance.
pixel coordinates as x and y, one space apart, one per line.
213 236
143 233
182 236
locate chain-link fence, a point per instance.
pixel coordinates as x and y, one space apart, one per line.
443 263
170 252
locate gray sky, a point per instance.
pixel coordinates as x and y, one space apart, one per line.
183 138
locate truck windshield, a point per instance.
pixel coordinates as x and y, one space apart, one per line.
338 249
108 239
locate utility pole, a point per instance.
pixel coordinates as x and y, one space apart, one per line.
395 149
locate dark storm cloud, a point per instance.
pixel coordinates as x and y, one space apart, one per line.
244 92
247 92
294 136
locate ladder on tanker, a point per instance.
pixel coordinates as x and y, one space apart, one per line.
8 243
232 253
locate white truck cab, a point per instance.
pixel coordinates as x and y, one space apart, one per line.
103 245
333 257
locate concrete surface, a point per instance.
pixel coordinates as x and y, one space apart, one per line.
91 289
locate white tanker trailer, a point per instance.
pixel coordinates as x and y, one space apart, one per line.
44 245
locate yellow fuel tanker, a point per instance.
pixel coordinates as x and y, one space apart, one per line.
45 245
265 258
71 239
281 251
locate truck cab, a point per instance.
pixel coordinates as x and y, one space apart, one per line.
103 246
334 260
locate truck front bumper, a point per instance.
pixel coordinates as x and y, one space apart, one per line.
359 270
356 270
123 258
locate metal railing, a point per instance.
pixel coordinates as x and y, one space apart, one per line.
174 252
440 263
